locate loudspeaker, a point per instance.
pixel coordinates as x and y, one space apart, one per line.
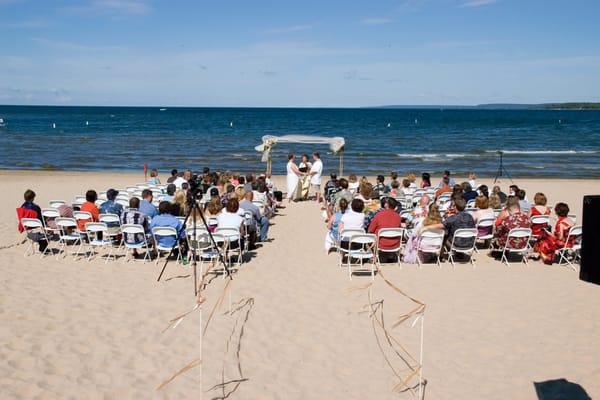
590 241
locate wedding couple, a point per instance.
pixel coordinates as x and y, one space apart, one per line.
300 178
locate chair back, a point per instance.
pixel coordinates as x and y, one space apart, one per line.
65 223
347 234
50 213
123 202
572 217
391 233
95 227
163 231
574 237
31 223
80 199
488 225
519 235
431 240
471 204
122 196
56 203
464 234
82 215
540 220
109 219
131 189
133 229
201 242
232 234
363 239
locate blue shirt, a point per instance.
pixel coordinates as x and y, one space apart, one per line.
148 208
163 220
110 207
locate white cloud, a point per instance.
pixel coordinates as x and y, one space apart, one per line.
478 3
376 21
288 29
114 8
59 44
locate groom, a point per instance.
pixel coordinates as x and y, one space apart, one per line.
315 175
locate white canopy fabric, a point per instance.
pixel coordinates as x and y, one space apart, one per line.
336 145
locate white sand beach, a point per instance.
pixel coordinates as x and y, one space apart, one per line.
78 329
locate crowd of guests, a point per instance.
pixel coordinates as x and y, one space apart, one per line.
228 200
359 204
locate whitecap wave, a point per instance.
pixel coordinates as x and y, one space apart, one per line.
544 151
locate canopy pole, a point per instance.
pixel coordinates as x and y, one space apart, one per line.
269 164
341 164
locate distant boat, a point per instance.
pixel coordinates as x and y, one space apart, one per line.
2 122
162 109
87 123
231 124
53 125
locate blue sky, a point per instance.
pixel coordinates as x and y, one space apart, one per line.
302 53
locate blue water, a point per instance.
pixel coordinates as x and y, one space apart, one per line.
540 143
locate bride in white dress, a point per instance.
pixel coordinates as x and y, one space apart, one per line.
293 174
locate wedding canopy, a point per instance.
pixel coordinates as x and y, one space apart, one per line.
336 145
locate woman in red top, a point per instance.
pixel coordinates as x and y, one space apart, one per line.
546 247
90 206
539 208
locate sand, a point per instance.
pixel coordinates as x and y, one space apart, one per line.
93 330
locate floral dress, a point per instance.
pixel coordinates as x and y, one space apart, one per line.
513 220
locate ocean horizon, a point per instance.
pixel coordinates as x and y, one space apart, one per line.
536 143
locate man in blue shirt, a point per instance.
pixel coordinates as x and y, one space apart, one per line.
146 205
165 219
110 206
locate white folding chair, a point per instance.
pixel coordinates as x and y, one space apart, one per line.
130 246
49 213
81 216
34 224
468 235
366 246
390 233
516 234
123 202
430 242
67 233
142 186
574 240
234 244
572 217
164 231
202 245
251 225
471 204
345 236
485 225
113 222
56 203
97 236
543 221
131 189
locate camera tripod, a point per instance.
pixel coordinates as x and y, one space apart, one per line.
194 209
502 169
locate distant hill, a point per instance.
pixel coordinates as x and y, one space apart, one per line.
506 106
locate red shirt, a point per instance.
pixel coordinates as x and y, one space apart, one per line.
92 209
386 219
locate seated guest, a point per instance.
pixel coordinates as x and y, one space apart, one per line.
395 189
420 211
174 175
64 211
483 190
165 219
229 192
462 220
29 197
90 206
31 210
333 225
110 206
450 207
483 209
444 187
501 195
394 178
450 180
235 180
353 183
495 203
468 192
330 187
146 205
261 220
343 193
472 180
511 217
523 202
412 178
425 180
387 218
353 218
230 218
410 251
406 189
371 203
132 215
513 190
154 179
539 208
171 189
180 180
179 203
380 187
548 244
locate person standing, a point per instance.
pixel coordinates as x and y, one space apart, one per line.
315 175
293 177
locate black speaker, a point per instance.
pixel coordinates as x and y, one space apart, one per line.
590 242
